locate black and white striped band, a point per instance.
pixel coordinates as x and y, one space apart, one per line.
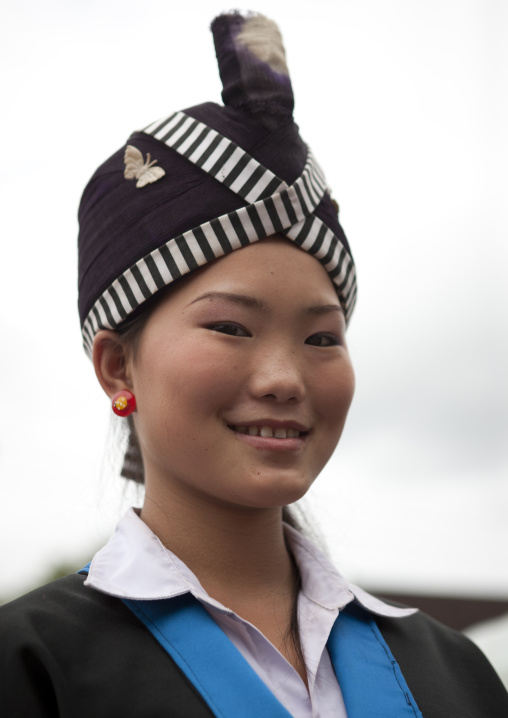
274 208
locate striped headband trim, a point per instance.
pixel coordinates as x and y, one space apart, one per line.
275 208
217 156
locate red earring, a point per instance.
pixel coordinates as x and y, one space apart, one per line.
124 403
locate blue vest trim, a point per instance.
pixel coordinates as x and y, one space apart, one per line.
371 681
207 657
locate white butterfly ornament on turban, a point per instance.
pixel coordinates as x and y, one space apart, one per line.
136 168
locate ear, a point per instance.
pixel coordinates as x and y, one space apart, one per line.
111 362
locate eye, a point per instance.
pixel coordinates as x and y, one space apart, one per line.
233 330
323 340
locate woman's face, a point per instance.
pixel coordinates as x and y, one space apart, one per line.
242 379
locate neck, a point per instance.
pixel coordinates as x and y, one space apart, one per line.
239 556
234 551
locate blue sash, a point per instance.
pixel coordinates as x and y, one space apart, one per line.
370 679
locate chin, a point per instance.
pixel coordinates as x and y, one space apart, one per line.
278 489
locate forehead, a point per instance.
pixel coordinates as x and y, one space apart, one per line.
275 267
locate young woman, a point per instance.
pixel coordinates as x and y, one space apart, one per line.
216 284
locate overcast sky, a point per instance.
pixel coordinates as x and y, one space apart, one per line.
404 105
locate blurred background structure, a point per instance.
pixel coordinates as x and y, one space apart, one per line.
405 106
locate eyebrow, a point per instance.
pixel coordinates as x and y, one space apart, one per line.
325 309
253 303
243 299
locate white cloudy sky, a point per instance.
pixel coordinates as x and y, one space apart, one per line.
404 104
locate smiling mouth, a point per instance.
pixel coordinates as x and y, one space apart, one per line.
267 432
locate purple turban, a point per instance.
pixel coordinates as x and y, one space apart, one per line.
205 181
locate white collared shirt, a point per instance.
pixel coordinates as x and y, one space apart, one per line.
134 564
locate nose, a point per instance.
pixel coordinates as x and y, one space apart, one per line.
277 375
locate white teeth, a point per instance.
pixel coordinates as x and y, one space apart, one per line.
267 432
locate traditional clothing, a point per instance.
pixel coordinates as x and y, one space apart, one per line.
158 647
137 568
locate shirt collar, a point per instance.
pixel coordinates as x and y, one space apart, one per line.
134 564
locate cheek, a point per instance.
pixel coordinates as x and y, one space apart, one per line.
333 410
205 377
336 393
187 379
